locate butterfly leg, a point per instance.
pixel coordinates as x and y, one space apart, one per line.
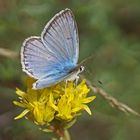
66 81
76 80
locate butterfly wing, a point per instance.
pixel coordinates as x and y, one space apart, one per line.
55 78
50 58
36 60
61 36
48 81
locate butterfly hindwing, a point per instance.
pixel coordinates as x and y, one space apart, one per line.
49 80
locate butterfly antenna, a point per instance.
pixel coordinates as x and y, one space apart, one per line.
92 75
87 59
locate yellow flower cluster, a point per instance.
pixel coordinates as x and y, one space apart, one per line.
60 102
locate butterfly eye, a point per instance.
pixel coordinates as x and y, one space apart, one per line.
82 68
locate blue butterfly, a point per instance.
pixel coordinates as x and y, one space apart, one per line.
53 57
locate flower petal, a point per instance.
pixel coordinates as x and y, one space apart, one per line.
20 92
85 107
88 99
22 114
19 104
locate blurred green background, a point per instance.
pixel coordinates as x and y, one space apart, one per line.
108 29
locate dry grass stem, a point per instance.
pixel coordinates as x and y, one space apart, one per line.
112 101
8 53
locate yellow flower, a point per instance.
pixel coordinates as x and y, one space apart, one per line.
61 102
73 101
36 104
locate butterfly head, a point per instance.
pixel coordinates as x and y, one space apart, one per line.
81 69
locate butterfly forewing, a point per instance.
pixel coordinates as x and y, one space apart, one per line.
61 36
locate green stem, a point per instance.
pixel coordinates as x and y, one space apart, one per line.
54 138
66 135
